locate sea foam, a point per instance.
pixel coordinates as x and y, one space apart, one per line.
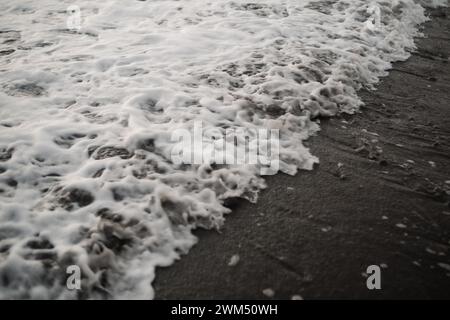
86 117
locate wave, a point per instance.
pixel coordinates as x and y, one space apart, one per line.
89 105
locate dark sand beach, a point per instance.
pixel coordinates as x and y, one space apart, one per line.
379 196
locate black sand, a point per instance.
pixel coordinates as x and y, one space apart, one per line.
315 234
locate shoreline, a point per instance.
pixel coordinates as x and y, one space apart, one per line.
379 196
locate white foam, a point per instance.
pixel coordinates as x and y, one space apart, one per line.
136 71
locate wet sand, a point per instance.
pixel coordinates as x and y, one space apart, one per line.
381 195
